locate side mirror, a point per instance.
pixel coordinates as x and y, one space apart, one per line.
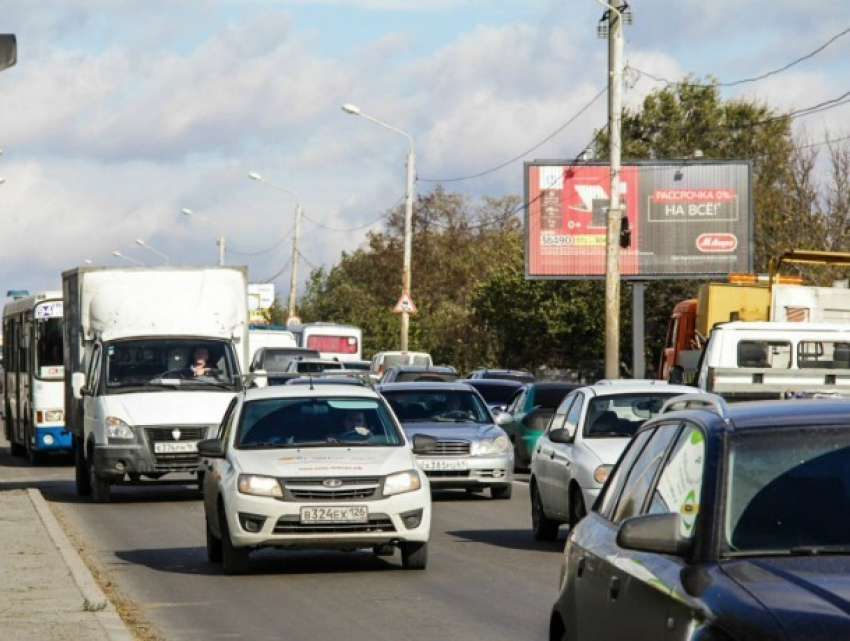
659 533
561 435
78 380
501 416
424 444
211 448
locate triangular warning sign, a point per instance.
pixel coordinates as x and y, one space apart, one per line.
405 304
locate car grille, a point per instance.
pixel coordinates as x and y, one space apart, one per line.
183 461
378 524
314 489
450 448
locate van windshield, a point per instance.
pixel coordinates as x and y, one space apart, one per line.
171 363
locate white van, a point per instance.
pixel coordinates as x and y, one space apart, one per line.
746 360
383 360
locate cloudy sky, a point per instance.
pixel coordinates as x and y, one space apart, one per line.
120 113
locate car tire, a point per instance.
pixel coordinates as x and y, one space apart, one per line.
501 492
414 555
35 457
577 508
543 528
81 470
214 547
234 559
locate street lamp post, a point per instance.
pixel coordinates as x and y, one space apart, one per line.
296 238
188 212
118 254
142 243
408 216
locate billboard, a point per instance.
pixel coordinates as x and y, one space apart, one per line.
687 218
260 299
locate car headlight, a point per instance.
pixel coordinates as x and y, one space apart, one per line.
118 430
259 485
600 474
401 482
498 445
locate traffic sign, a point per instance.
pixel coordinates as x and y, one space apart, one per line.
405 304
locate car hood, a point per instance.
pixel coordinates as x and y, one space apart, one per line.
607 450
462 431
324 461
180 408
809 597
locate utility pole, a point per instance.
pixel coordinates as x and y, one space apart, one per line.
614 217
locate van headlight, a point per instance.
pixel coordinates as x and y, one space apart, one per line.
259 485
401 482
118 430
498 445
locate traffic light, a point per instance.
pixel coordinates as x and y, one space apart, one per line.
625 233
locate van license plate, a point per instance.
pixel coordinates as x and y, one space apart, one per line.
327 514
178 447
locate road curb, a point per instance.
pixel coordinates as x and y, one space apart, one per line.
94 600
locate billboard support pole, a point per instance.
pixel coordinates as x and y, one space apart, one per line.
612 246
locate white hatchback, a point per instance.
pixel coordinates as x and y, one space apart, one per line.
325 466
587 434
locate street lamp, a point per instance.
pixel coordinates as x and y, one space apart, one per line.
296 236
188 212
127 258
408 216
139 241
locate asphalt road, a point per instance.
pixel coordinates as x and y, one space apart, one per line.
486 577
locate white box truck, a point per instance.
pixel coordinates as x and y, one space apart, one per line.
153 357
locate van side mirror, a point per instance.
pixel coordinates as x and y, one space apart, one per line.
78 385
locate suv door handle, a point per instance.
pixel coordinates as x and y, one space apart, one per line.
580 567
614 588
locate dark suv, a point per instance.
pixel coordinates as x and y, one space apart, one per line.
419 374
521 375
274 361
719 522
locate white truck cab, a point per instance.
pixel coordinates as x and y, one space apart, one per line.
153 357
746 360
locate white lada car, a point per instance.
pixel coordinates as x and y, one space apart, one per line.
325 466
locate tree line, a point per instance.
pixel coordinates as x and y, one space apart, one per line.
475 306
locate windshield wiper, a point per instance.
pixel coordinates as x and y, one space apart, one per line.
818 550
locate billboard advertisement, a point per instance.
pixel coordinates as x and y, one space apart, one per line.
687 218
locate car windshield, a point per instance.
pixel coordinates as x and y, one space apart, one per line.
621 414
551 395
788 491
501 394
438 406
316 422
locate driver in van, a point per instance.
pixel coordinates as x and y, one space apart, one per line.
200 362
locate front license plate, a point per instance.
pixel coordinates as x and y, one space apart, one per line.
345 514
178 447
443 464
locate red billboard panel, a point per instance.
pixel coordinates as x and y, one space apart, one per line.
687 219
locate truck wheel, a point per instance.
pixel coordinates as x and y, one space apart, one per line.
100 488
234 560
414 555
81 470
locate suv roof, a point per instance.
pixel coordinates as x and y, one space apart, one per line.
522 375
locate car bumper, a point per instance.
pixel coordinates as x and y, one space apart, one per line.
256 521
476 472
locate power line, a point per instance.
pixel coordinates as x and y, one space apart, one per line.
525 153
742 81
